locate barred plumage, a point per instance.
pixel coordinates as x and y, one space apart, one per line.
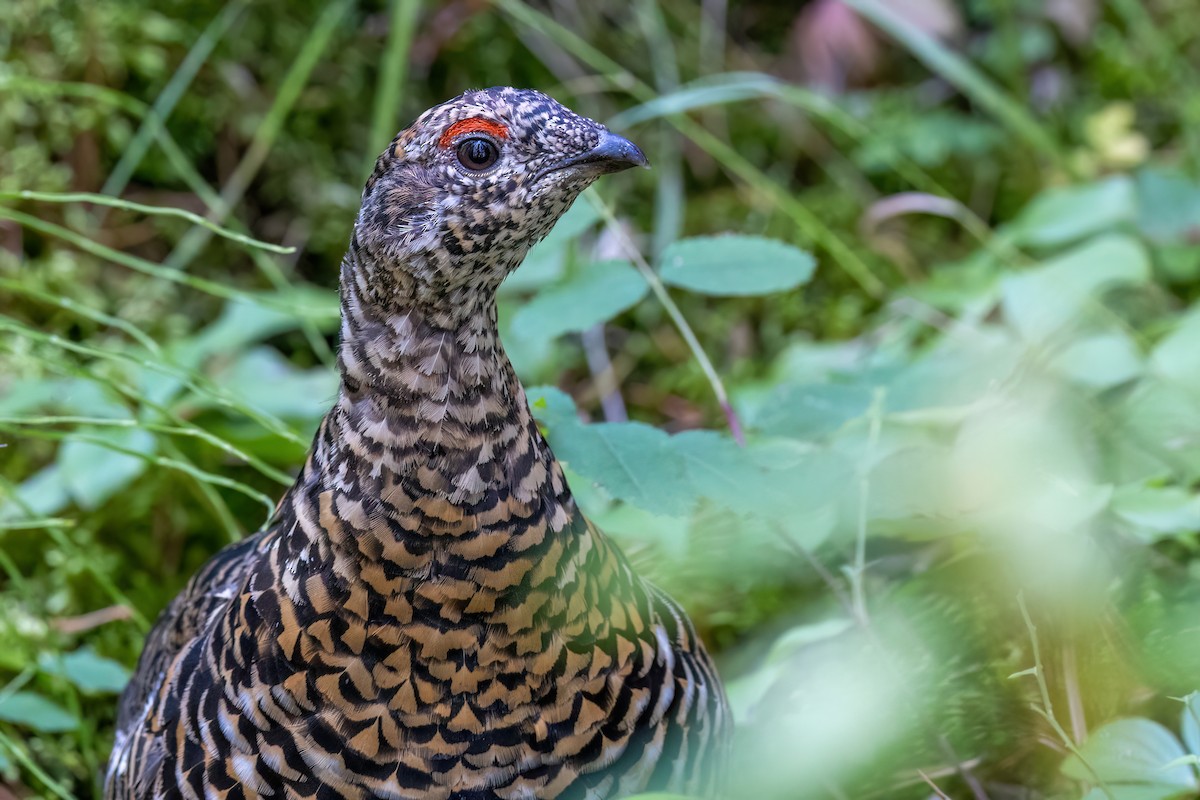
428 614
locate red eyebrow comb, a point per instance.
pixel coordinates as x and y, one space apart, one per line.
472 125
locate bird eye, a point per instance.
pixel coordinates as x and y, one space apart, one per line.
477 154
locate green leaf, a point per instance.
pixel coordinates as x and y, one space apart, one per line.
811 411
1163 419
1042 301
1157 509
1063 215
43 493
1168 205
596 294
1100 361
36 712
264 379
735 265
909 494
76 395
1177 357
244 322
547 259
631 461
1131 750
552 406
92 673
1134 792
745 481
1189 725
747 691
92 473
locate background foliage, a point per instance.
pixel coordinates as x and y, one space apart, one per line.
957 555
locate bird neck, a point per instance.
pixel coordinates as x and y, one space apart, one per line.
430 462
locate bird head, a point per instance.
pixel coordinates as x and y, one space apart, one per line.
457 200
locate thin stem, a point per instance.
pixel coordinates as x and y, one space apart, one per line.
681 324
156 211
1046 711
28 763
858 571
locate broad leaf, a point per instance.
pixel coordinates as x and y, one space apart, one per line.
1132 750
92 673
631 461
597 294
266 381
1042 301
1140 791
1062 215
1157 509
1100 361
1177 357
735 265
34 711
1190 723
746 481
42 494
812 410
1168 205
93 472
551 406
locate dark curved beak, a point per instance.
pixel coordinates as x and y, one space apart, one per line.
612 154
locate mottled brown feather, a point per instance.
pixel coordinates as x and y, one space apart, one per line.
428 614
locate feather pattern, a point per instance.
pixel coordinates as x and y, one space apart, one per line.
428 614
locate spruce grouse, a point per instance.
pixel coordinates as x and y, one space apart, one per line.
428 615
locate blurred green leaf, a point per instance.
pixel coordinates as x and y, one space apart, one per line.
36 712
77 395
92 673
1168 205
92 472
812 411
244 322
1177 357
1062 215
267 381
42 493
747 691
1157 509
733 265
746 481
1042 301
596 294
1133 750
1135 792
1189 724
1100 361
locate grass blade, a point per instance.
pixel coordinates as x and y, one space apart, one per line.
960 73
268 130
154 211
392 73
165 103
